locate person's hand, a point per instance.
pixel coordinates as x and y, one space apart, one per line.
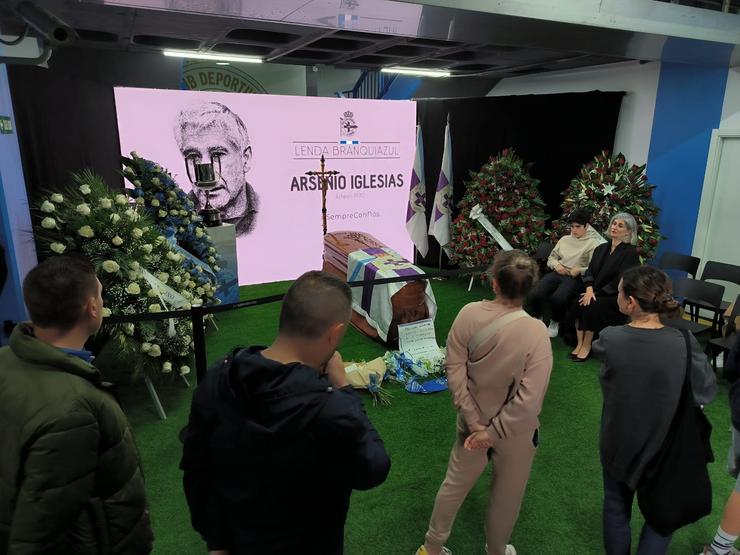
562 270
575 272
588 297
478 440
334 369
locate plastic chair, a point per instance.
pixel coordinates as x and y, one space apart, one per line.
721 271
680 262
709 294
724 344
543 251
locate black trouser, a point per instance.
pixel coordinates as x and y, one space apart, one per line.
558 290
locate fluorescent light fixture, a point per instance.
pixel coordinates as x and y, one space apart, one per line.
213 57
417 72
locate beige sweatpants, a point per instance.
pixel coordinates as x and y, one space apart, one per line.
512 461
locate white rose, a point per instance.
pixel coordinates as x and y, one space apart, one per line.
137 233
200 291
83 209
211 259
47 207
155 202
211 250
134 154
184 370
106 312
216 269
147 248
115 218
171 194
56 197
156 181
58 248
157 168
135 266
128 170
176 279
167 368
199 269
186 306
48 223
129 329
85 231
139 200
146 347
183 212
173 212
155 351
137 182
105 202
155 308
163 277
110 266
85 189
160 239
162 214
151 293
121 199
199 232
210 293
117 241
133 289
132 275
197 302
132 214
187 339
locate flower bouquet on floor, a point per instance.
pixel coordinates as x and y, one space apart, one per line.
139 270
426 375
369 376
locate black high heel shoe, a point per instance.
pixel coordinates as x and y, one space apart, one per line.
584 359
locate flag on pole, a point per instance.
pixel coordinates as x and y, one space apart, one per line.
416 221
439 225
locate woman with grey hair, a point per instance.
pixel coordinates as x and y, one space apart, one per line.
597 306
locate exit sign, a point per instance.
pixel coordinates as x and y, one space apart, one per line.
6 125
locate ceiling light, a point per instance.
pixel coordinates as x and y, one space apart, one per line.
222 63
417 72
213 57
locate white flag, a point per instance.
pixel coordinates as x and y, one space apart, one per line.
439 225
416 222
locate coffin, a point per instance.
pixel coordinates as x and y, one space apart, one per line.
410 303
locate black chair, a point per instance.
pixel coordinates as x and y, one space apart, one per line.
541 255
680 262
724 344
543 251
715 271
708 293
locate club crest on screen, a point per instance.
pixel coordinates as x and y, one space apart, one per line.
347 124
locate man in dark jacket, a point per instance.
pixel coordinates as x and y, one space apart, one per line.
69 473
277 439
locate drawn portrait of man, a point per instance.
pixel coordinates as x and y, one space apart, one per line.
212 131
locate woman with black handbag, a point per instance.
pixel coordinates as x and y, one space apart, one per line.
647 375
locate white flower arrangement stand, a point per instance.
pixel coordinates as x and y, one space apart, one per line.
155 398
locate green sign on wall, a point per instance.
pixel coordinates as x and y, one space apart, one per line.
6 125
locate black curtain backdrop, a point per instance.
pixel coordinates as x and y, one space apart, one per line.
557 133
66 114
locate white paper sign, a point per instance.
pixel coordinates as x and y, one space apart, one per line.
418 340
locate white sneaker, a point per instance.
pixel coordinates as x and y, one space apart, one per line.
553 331
445 551
510 550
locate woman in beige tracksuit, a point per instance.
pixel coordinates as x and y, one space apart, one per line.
498 366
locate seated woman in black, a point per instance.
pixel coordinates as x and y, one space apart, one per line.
597 307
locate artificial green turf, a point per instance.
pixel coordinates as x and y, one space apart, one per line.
561 513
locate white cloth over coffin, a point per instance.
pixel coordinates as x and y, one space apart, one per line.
374 303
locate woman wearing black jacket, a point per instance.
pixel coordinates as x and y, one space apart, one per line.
597 306
641 380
